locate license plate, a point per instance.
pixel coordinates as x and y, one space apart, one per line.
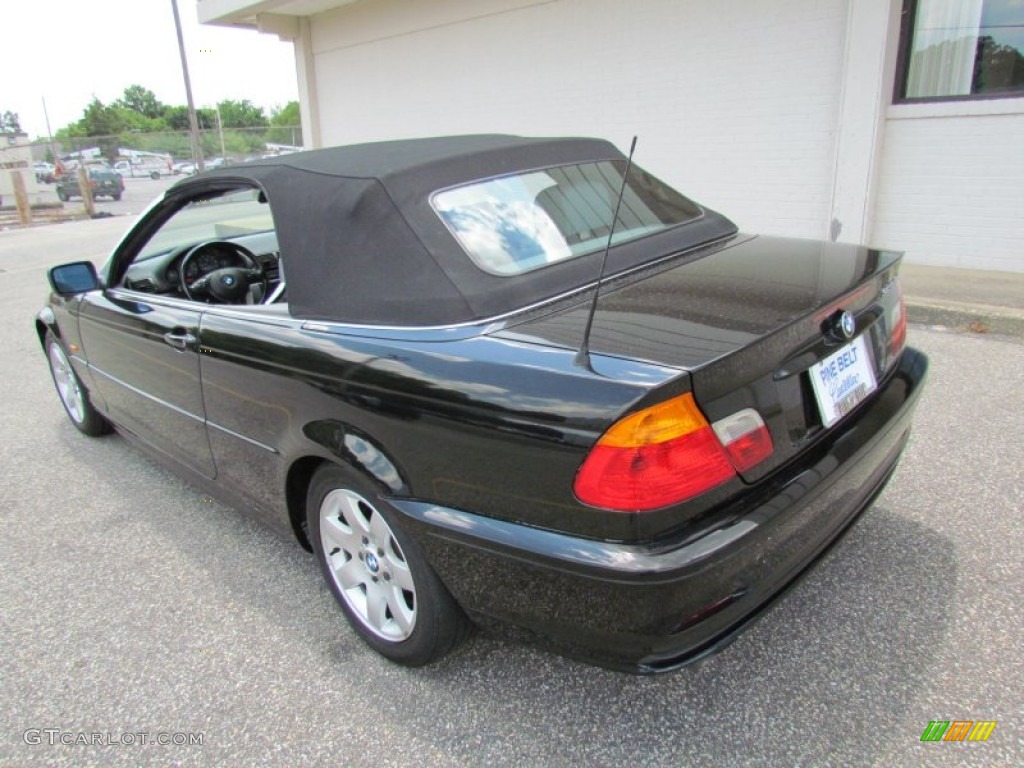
842 380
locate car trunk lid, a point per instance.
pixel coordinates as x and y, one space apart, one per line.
749 321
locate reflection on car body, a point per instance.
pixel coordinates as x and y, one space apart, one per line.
375 349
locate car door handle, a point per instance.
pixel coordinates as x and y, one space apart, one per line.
179 339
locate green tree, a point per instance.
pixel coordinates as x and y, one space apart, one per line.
10 122
101 120
287 115
141 100
176 118
241 114
285 125
104 123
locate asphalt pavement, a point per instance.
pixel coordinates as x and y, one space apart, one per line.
132 605
138 193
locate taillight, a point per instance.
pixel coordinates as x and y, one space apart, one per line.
745 437
898 323
662 455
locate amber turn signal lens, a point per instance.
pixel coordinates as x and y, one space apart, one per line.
653 458
898 323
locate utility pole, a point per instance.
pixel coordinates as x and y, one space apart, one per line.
220 131
21 199
85 186
49 135
193 121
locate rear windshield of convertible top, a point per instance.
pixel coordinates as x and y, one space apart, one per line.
518 223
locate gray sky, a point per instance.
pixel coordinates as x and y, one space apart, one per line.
71 50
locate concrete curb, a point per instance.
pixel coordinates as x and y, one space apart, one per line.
977 318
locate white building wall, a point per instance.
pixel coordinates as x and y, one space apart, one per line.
776 112
951 188
735 103
16 157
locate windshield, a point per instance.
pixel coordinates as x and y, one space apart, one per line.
518 223
219 217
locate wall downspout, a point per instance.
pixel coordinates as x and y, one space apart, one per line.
309 102
869 65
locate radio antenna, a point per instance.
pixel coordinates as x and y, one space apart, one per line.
583 356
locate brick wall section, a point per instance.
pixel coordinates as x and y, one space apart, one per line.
951 190
735 103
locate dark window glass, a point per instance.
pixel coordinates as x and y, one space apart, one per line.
963 48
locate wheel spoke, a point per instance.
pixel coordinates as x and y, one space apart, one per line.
350 574
336 533
379 531
401 576
400 612
376 607
353 512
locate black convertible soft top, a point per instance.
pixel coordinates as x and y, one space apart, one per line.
361 244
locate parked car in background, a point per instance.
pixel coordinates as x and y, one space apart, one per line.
103 182
190 169
44 172
499 380
151 167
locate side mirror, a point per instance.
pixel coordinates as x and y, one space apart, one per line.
77 277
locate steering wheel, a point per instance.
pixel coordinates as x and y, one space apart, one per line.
226 285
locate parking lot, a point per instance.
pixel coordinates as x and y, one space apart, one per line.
133 604
138 192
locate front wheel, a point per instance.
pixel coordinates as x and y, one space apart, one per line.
116 196
389 594
62 195
73 396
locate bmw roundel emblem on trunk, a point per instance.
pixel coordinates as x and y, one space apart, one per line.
840 325
847 325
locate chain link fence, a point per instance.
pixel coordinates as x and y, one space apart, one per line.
235 144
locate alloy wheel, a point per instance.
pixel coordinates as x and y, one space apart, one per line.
367 565
67 383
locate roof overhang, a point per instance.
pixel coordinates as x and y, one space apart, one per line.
271 16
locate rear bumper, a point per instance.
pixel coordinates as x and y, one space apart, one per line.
656 606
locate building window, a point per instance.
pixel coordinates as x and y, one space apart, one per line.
957 49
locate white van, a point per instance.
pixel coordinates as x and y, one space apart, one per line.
153 167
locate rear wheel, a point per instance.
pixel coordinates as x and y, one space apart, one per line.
154 175
73 396
376 571
116 195
62 195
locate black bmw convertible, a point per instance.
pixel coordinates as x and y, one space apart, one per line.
503 381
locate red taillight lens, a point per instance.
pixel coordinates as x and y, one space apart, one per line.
659 456
898 323
745 437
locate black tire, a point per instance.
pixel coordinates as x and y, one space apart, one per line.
116 195
356 551
155 175
73 396
62 195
